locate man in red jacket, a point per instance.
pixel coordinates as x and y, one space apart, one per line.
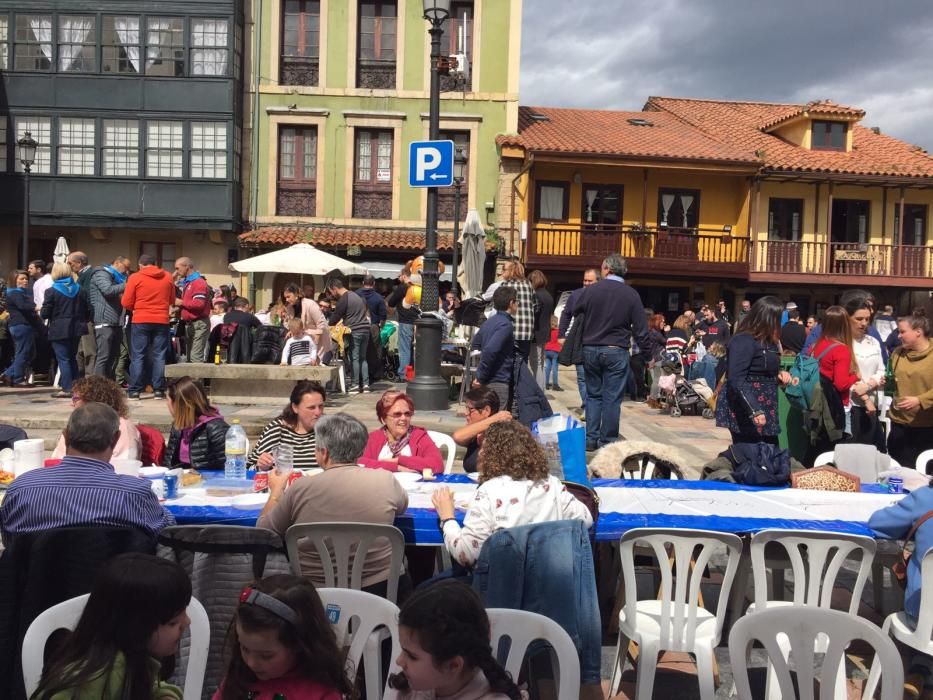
195 306
149 295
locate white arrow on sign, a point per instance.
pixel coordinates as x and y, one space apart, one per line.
427 159
436 176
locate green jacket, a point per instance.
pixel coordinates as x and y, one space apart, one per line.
110 686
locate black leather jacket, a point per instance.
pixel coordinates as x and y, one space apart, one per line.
207 446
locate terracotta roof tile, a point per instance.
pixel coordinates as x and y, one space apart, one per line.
740 125
410 240
820 108
601 132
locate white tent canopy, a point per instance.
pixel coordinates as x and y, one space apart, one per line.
390 270
299 259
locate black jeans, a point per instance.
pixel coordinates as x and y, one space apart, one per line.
906 443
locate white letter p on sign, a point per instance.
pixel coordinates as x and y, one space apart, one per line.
426 160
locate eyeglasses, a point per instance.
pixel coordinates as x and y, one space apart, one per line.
402 414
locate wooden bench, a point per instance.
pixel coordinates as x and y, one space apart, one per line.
266 385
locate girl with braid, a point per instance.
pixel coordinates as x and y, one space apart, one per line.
446 655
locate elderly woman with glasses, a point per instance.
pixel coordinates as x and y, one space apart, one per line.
96 389
398 445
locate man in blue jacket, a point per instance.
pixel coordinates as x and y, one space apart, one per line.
377 317
496 343
614 316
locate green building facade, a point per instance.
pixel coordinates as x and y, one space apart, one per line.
340 89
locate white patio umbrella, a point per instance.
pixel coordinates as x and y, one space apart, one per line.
61 250
300 259
473 248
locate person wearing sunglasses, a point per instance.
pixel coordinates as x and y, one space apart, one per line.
97 389
482 411
398 445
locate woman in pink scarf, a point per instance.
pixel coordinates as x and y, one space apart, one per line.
398 445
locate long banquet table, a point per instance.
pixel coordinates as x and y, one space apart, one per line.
624 505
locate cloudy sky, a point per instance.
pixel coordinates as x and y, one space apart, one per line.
613 54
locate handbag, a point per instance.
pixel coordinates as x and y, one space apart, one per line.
899 568
760 464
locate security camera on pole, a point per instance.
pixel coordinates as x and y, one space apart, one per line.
431 165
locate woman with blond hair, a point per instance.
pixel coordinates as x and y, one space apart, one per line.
97 389
198 429
66 311
513 275
515 488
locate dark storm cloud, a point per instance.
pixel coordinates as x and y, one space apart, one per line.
614 54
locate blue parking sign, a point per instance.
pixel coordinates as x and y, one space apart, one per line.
431 164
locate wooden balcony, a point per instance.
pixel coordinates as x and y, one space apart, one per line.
671 251
857 263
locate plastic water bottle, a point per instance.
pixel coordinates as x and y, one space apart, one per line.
235 448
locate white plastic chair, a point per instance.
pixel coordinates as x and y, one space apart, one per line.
337 543
924 461
796 628
824 459
522 628
899 626
675 622
815 559
445 444
66 615
373 618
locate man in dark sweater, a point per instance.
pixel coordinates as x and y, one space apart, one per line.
590 276
793 334
241 315
712 329
406 319
496 342
377 317
613 315
352 310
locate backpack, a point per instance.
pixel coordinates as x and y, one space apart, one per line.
759 464
805 377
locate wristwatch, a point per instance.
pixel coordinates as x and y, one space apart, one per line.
440 523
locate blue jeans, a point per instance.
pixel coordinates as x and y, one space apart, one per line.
148 338
581 384
550 367
66 352
406 332
25 343
605 368
359 368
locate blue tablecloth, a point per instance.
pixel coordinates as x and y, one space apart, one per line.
419 525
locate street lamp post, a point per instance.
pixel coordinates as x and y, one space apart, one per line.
27 156
460 161
428 389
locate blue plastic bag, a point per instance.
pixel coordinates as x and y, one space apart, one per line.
564 441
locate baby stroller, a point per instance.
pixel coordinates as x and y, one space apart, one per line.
676 391
390 368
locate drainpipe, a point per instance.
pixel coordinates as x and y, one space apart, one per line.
254 149
525 168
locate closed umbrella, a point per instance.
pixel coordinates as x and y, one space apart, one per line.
61 250
474 253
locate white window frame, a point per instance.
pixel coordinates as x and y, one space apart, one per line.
165 153
77 146
4 41
41 130
209 39
119 155
208 156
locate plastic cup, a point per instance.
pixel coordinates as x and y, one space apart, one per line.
284 459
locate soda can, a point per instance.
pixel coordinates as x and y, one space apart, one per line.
896 484
171 486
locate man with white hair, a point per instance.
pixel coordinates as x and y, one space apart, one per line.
194 301
345 492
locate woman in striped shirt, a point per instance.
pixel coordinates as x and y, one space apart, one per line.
294 427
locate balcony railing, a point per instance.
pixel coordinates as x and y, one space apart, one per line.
676 245
818 258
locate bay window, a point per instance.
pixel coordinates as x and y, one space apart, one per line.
75 146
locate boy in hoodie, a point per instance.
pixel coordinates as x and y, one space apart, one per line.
149 295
